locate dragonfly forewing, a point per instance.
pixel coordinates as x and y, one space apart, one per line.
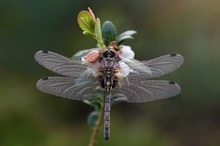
137 66
60 64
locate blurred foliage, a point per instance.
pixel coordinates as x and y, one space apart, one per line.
188 27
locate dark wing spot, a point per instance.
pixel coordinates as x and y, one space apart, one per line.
45 78
171 82
45 51
173 54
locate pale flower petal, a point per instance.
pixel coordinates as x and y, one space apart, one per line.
126 52
95 69
124 69
94 64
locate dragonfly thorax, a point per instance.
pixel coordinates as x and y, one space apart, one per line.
109 68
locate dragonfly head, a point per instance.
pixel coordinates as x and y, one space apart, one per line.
109 53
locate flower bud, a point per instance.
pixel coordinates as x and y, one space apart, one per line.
92 57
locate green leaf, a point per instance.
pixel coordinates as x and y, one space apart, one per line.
92 118
117 99
86 22
88 33
94 103
98 31
97 102
124 38
91 26
78 56
109 32
125 35
92 14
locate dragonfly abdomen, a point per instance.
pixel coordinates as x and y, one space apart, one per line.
107 115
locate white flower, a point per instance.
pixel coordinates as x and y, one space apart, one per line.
95 69
124 69
126 52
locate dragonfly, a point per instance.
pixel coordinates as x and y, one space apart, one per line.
78 83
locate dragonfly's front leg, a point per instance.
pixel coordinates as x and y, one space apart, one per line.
116 72
102 77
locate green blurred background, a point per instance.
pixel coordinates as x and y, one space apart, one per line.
188 27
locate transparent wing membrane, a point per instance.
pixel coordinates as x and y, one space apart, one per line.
146 90
69 87
137 66
60 64
80 84
159 66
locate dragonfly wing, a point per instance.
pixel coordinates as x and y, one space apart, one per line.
146 90
159 66
137 66
60 64
68 87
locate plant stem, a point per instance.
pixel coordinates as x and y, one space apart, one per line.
100 42
96 129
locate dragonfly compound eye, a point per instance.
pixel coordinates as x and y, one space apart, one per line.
109 54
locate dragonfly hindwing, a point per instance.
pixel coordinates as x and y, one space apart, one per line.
69 87
147 90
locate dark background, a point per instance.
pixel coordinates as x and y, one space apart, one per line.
188 27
